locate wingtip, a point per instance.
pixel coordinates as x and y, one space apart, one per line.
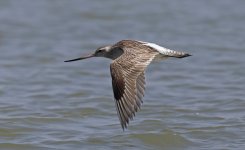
124 127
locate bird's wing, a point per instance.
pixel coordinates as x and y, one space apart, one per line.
128 82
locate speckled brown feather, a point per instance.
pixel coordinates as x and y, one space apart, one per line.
128 81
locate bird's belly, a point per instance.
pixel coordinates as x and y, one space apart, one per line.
160 57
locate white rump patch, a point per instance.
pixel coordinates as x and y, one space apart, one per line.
164 52
160 49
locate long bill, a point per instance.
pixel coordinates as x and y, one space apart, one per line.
81 58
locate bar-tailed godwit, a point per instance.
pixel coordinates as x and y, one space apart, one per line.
130 59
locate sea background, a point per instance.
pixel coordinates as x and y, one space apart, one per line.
192 103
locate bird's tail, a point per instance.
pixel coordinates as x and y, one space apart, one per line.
176 54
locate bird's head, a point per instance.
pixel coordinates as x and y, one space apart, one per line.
99 52
102 51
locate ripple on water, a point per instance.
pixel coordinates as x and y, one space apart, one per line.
10 146
166 139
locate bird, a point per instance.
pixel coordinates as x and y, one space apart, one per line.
130 59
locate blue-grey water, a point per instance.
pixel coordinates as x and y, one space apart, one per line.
192 103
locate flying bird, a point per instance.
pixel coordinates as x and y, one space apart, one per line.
130 59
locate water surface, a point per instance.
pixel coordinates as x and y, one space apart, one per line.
192 103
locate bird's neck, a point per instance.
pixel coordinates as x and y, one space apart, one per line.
114 53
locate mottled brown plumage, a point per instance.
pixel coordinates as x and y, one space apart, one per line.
130 59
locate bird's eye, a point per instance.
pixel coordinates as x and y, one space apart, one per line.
99 51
